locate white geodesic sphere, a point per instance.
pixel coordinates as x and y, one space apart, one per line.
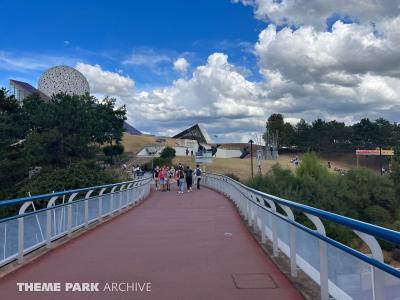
63 79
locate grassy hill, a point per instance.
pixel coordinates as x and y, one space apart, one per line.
240 167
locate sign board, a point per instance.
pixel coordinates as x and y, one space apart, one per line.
375 152
204 157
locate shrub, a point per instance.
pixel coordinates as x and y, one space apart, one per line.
360 193
113 150
77 175
168 152
396 254
377 215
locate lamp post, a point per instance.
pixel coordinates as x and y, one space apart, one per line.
251 156
380 159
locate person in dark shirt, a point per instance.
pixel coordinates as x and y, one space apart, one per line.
156 177
181 179
197 173
189 178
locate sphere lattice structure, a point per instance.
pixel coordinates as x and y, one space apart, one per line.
63 79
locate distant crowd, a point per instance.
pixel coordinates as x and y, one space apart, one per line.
184 177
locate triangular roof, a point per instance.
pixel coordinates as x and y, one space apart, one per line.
196 132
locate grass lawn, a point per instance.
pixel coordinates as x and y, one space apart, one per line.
237 166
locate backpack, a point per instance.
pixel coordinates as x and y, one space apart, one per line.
198 172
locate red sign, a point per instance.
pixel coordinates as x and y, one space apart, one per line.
375 152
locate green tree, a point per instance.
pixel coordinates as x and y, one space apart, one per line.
286 132
53 134
168 153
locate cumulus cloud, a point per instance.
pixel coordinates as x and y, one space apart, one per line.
305 54
105 82
181 65
217 95
345 73
316 12
350 69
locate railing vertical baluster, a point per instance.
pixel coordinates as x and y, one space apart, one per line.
323 257
101 203
69 213
292 232
21 231
112 200
274 229
48 221
87 208
378 276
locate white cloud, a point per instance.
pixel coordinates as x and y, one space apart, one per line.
347 73
216 94
316 12
32 62
146 57
348 70
181 65
105 82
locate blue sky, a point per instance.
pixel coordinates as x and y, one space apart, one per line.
228 64
107 33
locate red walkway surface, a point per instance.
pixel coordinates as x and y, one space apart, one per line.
190 246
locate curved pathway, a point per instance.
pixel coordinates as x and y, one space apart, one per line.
190 246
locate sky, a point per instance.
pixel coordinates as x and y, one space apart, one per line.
226 64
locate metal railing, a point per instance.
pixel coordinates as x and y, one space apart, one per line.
40 220
341 271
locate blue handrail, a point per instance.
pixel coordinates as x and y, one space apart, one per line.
377 231
69 192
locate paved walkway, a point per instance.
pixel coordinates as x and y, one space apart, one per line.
190 246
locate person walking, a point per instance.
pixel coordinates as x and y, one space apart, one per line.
181 179
171 174
156 177
197 172
177 176
137 171
163 178
189 178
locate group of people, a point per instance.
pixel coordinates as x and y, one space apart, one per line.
137 171
187 152
183 176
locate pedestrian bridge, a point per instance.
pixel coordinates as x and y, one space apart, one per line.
145 244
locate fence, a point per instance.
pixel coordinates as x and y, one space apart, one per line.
341 271
40 220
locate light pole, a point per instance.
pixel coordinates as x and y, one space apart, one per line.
251 156
380 159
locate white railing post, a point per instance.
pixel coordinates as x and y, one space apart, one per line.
21 231
69 220
101 203
378 276
323 257
129 190
87 208
48 221
275 250
121 194
293 262
112 210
